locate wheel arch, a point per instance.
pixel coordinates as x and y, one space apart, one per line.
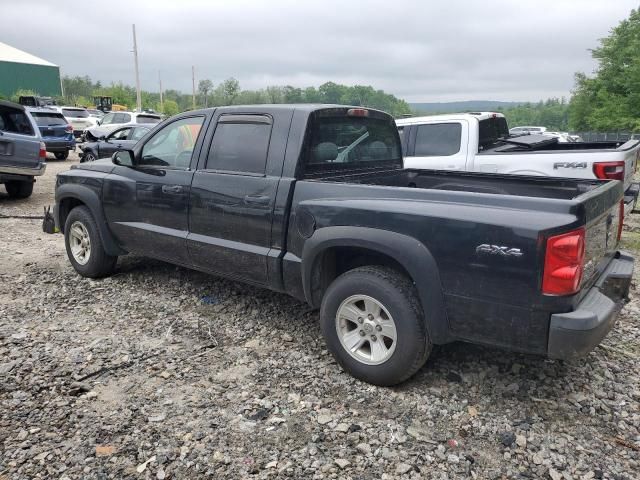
332 251
71 196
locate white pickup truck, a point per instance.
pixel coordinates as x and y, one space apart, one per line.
480 142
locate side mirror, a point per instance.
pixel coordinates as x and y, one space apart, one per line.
124 158
99 122
102 138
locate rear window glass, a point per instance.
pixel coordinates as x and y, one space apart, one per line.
147 119
438 139
73 113
15 121
338 141
240 147
47 119
491 130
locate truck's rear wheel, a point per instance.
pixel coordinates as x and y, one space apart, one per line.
84 245
19 189
373 325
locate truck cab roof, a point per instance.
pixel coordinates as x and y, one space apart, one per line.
449 117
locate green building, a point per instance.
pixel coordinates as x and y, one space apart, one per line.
22 71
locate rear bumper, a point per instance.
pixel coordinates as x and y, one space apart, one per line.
56 146
631 198
27 171
574 334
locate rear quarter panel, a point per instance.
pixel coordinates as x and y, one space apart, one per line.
490 298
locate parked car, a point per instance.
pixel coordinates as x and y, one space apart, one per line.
23 154
113 120
527 130
95 113
482 142
125 137
314 201
79 118
55 130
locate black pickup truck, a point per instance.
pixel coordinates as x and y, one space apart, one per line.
312 200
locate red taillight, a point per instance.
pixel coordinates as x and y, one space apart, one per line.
68 129
620 219
563 263
43 150
358 112
609 170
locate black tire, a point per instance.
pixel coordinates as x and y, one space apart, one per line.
89 156
19 189
399 297
62 155
99 263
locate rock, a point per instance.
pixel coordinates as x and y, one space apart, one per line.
403 468
472 411
342 428
323 419
521 441
342 463
364 448
286 337
537 459
507 439
554 474
22 435
157 418
271 464
451 458
160 475
105 450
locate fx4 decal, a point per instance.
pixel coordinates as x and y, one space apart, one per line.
498 250
558 165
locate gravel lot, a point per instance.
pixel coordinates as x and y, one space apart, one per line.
161 372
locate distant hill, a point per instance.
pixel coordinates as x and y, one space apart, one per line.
466 106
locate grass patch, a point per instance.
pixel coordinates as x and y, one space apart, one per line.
630 241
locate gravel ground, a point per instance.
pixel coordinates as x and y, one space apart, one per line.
161 372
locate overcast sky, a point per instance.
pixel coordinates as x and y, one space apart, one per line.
440 50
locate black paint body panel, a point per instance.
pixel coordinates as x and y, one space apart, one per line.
271 229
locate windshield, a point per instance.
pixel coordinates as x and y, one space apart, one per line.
75 113
45 119
338 141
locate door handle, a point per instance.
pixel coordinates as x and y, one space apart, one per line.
172 189
257 199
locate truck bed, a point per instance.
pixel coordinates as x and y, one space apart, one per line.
513 185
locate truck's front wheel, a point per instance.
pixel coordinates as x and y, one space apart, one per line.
374 326
84 245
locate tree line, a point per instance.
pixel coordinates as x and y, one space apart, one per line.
80 90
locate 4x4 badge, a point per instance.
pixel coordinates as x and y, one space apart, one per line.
498 250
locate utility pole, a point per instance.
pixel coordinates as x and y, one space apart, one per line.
135 58
161 104
193 81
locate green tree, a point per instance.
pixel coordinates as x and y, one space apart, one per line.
610 100
204 87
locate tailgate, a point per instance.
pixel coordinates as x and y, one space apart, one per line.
602 208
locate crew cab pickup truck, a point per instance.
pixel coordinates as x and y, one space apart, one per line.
313 200
481 142
22 151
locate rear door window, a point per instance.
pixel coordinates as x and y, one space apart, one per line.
240 144
438 139
15 121
48 119
75 113
147 119
137 133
